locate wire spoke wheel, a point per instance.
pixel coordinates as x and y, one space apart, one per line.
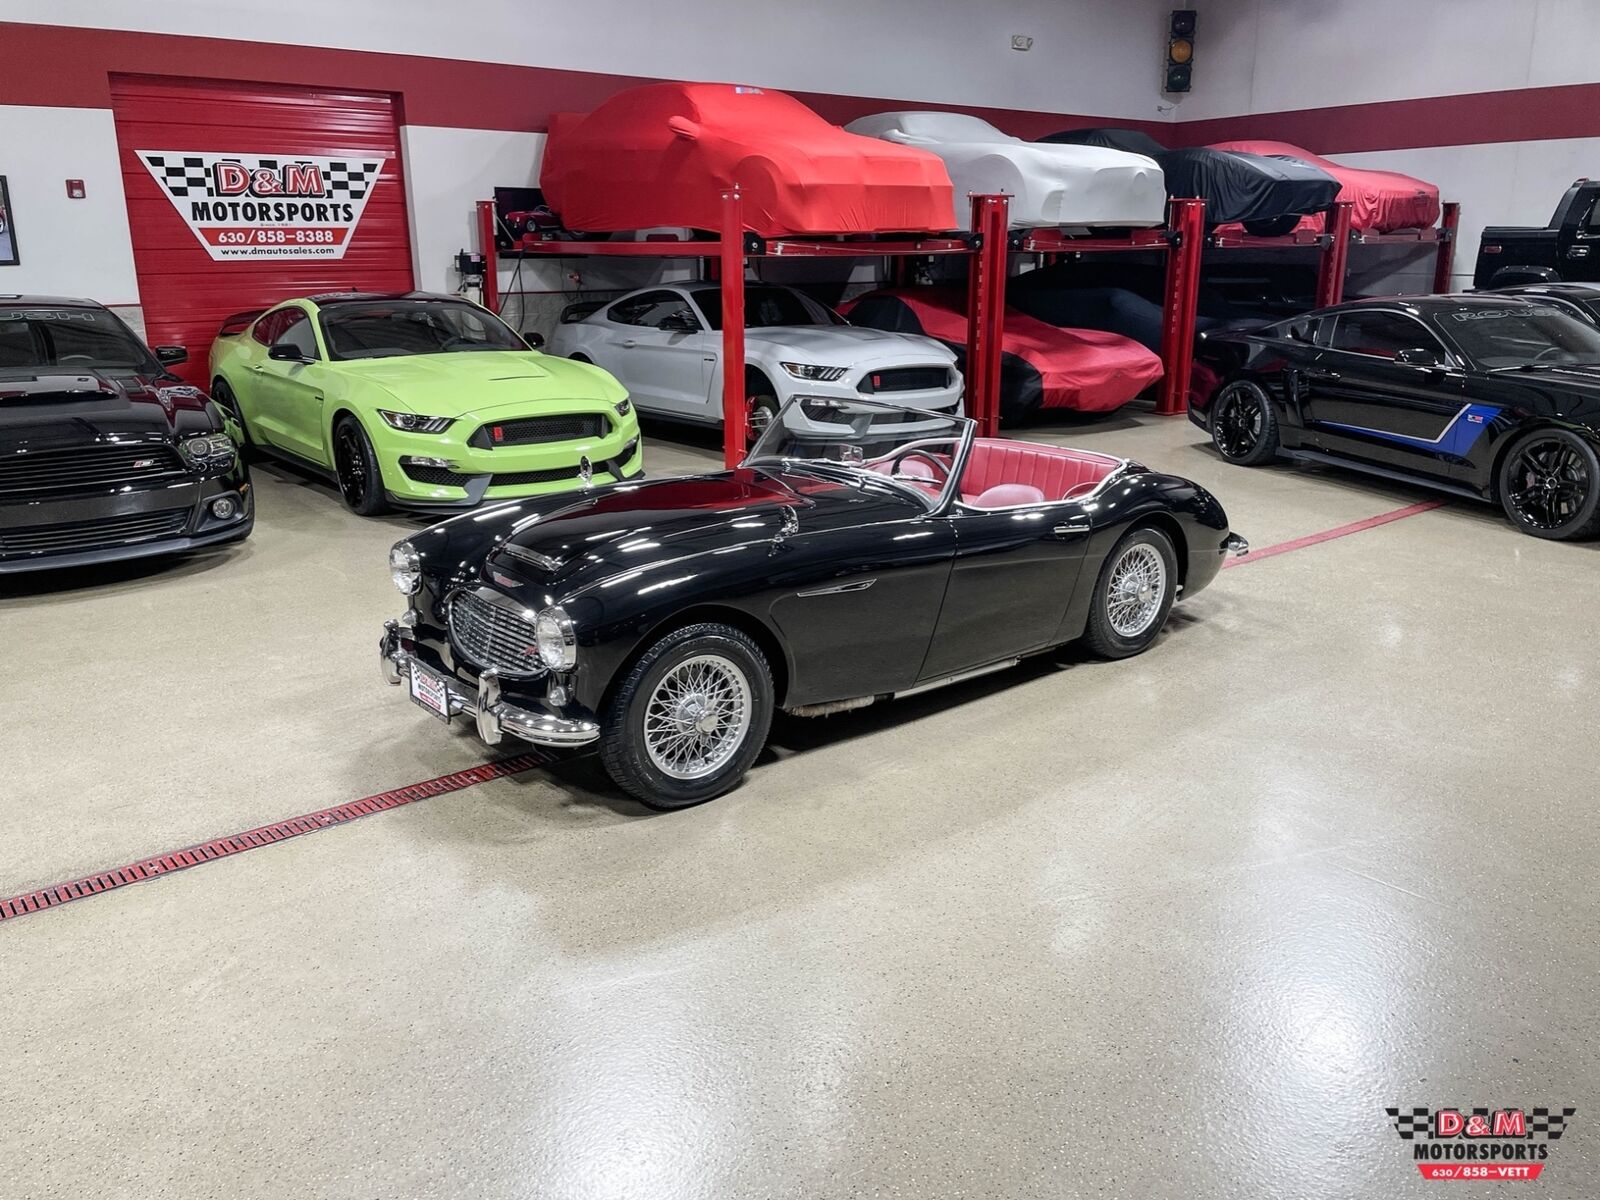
1240 421
1138 587
1548 483
697 717
350 463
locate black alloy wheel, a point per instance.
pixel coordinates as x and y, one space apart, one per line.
1550 486
229 403
1243 426
360 482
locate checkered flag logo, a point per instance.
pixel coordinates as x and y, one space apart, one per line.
353 179
1409 1123
181 174
1549 1123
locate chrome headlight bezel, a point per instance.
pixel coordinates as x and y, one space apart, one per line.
405 567
814 371
208 450
415 422
556 638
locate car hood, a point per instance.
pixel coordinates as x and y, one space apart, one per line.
453 385
52 407
640 529
847 345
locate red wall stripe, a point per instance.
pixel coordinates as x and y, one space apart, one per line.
1522 115
66 67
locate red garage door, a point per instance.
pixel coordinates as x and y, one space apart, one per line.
242 195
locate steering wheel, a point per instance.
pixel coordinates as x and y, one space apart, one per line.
940 467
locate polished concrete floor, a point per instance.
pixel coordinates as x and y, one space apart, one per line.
1180 926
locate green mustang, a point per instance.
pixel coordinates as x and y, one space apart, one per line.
420 401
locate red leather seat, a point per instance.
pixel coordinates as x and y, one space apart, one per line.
1056 471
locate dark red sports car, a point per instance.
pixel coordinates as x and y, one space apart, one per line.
1041 366
663 154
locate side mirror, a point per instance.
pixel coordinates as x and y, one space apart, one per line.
171 356
286 354
682 127
535 340
682 321
1419 356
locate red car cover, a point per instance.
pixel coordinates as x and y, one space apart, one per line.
663 154
1383 200
1088 370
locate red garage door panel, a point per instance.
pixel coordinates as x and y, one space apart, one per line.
242 195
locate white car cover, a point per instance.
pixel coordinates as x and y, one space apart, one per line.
1049 185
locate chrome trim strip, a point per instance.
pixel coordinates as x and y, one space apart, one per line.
857 585
543 561
958 677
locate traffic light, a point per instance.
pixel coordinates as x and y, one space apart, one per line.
1180 50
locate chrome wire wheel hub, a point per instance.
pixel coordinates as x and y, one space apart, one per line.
1138 586
697 717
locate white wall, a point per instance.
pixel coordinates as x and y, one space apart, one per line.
1254 56
67 247
1089 56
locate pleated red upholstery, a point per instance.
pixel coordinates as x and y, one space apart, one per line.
1054 470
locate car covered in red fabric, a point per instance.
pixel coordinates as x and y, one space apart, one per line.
663 154
1041 366
1383 201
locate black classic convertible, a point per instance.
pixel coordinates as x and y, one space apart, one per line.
1492 397
667 620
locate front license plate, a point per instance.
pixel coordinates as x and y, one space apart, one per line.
428 690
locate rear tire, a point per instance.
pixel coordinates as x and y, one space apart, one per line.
689 717
1244 427
1549 486
1136 589
1272 226
360 480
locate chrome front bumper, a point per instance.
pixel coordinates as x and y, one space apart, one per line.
494 716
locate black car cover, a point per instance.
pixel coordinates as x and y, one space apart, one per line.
1236 187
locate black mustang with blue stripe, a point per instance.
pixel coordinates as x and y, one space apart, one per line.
1493 397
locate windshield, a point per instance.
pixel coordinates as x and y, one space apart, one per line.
76 339
765 306
392 328
1514 337
869 444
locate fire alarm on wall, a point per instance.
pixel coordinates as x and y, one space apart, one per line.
75 189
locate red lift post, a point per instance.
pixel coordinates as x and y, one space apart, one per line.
986 310
1334 264
728 253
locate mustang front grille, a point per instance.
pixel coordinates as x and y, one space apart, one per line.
92 535
89 468
530 431
905 379
491 635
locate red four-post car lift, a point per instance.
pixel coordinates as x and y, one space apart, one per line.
989 248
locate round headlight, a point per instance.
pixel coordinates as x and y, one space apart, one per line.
405 567
556 639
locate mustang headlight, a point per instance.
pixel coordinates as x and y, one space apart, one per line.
412 423
209 450
556 639
812 371
405 567
623 407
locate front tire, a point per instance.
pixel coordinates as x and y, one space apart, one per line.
1133 595
1550 486
1272 226
222 393
360 481
689 717
1244 427
763 412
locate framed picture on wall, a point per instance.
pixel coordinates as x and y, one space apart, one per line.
8 230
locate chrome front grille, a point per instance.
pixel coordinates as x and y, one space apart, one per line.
490 634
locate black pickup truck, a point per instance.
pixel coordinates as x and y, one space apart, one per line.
1568 248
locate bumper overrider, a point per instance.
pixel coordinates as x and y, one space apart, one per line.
495 717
